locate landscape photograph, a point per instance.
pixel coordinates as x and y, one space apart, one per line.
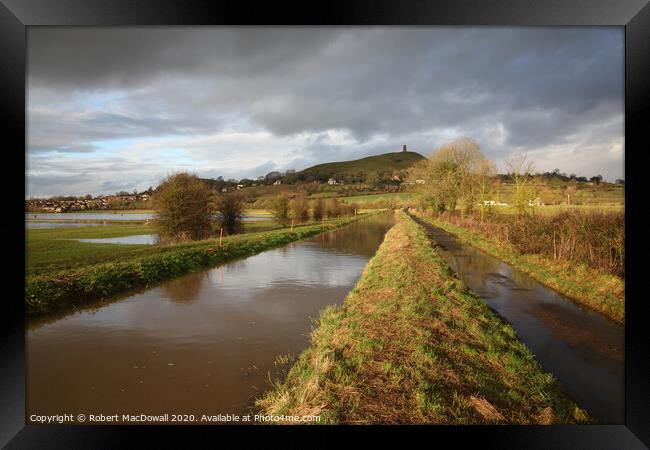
372 225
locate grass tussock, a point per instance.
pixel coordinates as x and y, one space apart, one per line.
411 344
56 290
593 288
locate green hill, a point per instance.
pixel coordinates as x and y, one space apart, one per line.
388 162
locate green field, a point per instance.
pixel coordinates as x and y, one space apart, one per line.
361 200
324 195
55 248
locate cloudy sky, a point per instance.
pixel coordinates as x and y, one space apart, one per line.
114 109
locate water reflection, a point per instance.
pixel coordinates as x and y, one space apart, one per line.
580 348
202 343
186 289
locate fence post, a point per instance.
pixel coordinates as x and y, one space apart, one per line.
292 225
220 235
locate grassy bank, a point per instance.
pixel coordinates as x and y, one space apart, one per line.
145 265
587 286
411 344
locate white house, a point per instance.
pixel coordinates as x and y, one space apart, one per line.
331 181
493 203
277 182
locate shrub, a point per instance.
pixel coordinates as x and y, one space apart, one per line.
300 209
184 208
333 208
319 209
348 209
280 209
231 209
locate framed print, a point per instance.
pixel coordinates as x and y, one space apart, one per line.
420 217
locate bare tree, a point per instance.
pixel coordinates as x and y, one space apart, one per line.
487 185
451 175
520 169
300 208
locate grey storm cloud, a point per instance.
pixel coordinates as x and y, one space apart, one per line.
512 89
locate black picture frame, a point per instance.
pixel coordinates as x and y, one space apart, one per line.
17 15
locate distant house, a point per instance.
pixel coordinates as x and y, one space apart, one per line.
331 181
277 182
493 203
240 186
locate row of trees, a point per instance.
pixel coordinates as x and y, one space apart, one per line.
299 209
374 179
188 208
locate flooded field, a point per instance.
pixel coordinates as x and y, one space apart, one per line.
148 239
38 225
89 216
203 343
